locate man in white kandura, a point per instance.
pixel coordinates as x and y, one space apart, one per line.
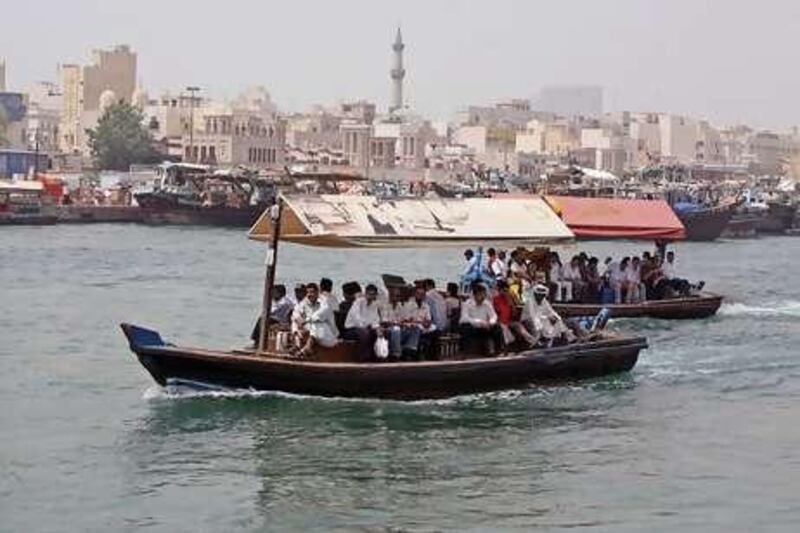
541 319
313 323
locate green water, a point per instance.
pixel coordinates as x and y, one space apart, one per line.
702 436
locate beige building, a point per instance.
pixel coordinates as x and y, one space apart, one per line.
169 118
110 77
237 137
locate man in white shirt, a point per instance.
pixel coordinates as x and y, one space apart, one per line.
326 293
363 323
680 285
636 289
313 323
395 321
541 319
478 323
437 304
417 323
559 278
494 265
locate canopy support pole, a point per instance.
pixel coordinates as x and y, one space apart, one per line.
269 279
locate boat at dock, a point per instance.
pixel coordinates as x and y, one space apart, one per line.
187 194
345 221
24 203
705 223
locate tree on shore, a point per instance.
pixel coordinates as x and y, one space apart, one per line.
120 139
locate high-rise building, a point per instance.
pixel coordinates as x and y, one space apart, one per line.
111 77
397 73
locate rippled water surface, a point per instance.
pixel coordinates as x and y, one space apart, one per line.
703 435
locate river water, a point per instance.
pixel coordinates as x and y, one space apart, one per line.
703 435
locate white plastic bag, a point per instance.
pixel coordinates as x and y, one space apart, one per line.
381 348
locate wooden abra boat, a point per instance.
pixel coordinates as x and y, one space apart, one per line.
701 306
270 371
349 221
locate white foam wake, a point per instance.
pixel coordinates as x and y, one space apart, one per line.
784 308
188 390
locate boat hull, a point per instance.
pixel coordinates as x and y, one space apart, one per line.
396 381
707 224
674 308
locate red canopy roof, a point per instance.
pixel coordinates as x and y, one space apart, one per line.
605 218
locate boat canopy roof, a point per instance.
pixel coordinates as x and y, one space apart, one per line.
343 221
618 218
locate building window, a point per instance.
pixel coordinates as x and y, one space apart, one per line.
212 153
203 153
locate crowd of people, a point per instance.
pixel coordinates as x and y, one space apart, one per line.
406 321
582 278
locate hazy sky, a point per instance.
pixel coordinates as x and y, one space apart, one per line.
734 60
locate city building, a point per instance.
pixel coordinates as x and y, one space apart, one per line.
14 110
170 117
2 76
246 132
21 164
111 77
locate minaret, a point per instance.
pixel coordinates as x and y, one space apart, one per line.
397 73
2 75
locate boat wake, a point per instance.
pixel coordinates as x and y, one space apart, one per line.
184 390
784 308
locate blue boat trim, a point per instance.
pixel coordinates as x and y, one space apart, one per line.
139 336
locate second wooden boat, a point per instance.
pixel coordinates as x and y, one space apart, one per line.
700 306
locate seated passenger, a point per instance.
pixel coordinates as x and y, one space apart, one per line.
437 304
516 266
453 306
312 323
394 321
418 317
363 323
680 286
280 312
618 280
299 293
542 321
573 273
562 285
635 289
505 308
326 293
594 282
478 323
350 292
494 265
282 307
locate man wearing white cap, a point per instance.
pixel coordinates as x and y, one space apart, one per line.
541 319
